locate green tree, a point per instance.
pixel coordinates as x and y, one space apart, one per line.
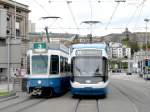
125 41
134 47
144 46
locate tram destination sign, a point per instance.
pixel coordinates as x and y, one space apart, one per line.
89 52
39 45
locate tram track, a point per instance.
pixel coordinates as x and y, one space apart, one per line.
131 99
97 102
21 105
138 97
31 105
14 104
79 104
8 99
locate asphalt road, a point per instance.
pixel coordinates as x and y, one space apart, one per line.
124 96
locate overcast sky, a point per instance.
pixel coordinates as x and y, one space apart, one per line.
114 17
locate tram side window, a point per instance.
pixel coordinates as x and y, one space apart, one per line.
64 67
72 63
28 65
62 64
54 64
67 67
105 72
146 62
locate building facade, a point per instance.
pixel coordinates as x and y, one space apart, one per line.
117 50
13 35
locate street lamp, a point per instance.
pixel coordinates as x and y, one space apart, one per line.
146 21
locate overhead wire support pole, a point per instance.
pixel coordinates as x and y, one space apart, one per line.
146 21
15 20
146 56
8 49
90 2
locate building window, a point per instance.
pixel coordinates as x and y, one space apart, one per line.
1 70
19 11
6 7
17 29
8 32
2 42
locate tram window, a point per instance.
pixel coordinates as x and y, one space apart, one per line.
66 65
54 65
146 62
62 64
105 72
72 63
28 65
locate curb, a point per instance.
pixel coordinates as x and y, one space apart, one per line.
8 96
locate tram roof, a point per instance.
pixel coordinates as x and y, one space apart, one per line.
90 45
52 46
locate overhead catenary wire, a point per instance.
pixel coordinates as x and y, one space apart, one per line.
43 8
137 11
72 15
47 13
84 1
132 16
140 13
122 28
114 11
111 17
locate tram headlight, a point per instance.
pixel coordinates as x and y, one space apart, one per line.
99 82
39 82
77 83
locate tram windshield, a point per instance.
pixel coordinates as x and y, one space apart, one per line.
88 66
39 64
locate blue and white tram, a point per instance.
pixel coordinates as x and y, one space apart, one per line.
89 66
47 69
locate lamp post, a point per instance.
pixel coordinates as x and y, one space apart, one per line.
8 49
146 21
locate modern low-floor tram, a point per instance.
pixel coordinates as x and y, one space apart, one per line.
89 67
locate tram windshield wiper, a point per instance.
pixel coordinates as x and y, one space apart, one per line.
77 69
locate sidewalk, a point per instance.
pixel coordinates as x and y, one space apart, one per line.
122 76
4 87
